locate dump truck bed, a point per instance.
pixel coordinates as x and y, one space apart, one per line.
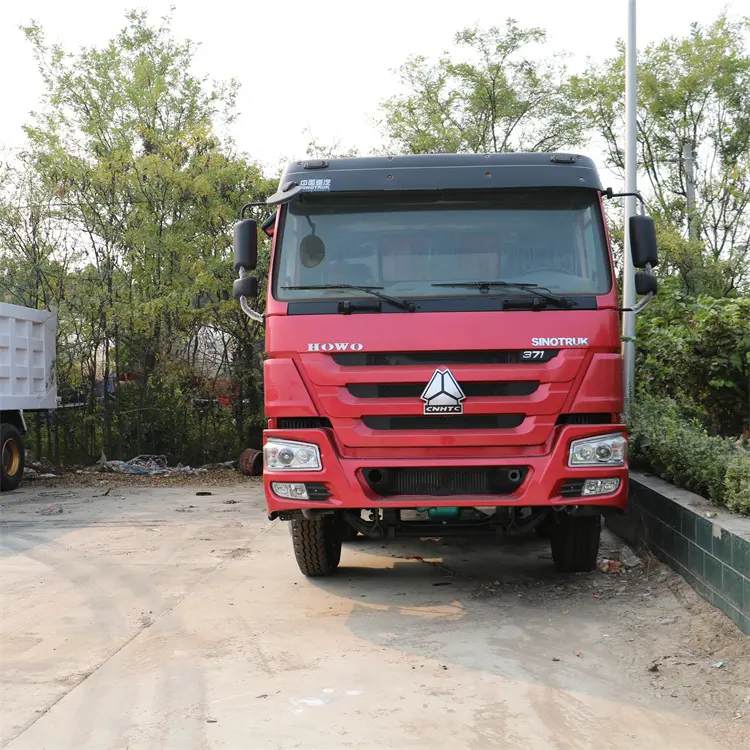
27 358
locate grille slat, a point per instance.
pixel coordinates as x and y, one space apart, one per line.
445 422
449 481
317 491
572 488
470 389
436 482
302 423
396 359
584 419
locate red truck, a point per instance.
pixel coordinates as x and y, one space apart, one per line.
443 351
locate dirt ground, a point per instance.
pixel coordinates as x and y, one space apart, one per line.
135 613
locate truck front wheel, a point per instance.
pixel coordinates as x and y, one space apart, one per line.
11 457
317 545
575 543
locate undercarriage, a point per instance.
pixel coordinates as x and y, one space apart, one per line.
318 534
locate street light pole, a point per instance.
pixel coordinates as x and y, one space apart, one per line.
631 146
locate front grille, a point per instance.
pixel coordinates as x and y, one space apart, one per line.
479 480
415 390
446 422
584 419
395 359
572 487
302 423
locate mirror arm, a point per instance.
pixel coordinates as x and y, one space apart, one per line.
245 305
639 306
287 193
252 205
608 193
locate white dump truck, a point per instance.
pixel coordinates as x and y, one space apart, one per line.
27 381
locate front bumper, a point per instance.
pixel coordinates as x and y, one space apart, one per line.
542 485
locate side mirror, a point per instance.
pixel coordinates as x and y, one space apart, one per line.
643 242
246 245
645 283
247 286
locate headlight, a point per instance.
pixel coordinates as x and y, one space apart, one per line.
604 450
282 455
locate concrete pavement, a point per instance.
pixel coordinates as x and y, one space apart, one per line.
137 621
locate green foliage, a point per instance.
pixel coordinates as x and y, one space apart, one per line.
41 248
178 416
317 149
692 91
494 98
737 485
182 420
697 351
678 449
131 190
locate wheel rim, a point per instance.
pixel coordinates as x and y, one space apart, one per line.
11 457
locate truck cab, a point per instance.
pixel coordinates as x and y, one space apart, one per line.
443 352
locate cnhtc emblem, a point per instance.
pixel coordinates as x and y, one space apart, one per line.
443 395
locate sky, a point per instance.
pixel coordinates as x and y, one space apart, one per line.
328 63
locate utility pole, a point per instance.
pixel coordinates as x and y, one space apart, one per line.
631 168
689 161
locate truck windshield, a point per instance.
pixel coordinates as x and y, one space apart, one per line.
409 245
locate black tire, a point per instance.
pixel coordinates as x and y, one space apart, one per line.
317 545
575 543
545 528
12 457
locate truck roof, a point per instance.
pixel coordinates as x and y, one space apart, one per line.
438 172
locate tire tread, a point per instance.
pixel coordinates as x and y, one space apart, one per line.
10 482
317 546
575 543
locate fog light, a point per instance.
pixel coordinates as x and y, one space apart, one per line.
290 490
600 486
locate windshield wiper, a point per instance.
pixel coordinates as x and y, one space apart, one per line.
404 304
532 288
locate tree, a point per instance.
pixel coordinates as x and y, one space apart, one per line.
317 149
696 351
692 91
35 249
492 99
149 186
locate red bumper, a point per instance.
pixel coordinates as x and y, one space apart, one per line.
348 488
